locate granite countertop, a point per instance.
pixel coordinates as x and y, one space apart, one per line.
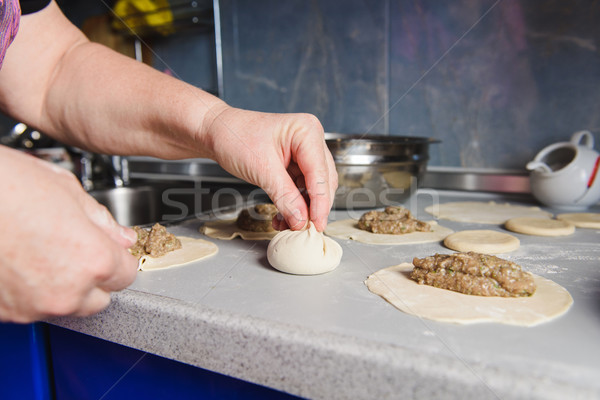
327 336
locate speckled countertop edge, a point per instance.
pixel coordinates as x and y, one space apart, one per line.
307 363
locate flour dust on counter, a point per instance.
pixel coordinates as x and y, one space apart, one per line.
482 241
253 223
394 284
582 220
483 212
348 229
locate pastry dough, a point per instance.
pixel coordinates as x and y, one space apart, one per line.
228 230
393 284
348 229
304 252
482 241
540 226
191 250
582 220
482 212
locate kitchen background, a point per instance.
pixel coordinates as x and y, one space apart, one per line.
493 80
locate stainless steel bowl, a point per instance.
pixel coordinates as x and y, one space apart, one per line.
376 171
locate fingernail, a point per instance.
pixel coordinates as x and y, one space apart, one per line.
300 221
128 234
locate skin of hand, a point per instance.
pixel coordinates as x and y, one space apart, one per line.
285 154
66 253
89 96
63 253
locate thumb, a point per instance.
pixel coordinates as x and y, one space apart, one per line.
102 218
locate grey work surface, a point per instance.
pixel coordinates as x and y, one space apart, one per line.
327 336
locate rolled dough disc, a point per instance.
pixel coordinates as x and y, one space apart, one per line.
348 229
228 230
582 220
393 284
540 226
483 212
191 250
482 241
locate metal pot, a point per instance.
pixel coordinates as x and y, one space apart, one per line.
377 171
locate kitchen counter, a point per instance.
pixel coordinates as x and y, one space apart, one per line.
327 336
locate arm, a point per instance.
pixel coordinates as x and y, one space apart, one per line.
86 95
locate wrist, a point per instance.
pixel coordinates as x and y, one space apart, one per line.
210 125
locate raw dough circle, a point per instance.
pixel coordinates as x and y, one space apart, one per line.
191 250
348 229
304 252
582 220
540 226
482 241
228 230
549 301
482 212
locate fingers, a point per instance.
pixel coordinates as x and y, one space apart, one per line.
319 178
289 201
96 301
102 218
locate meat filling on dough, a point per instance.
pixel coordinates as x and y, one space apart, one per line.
393 220
258 218
473 273
155 242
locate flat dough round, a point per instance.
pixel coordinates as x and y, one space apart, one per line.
482 241
483 212
348 229
582 220
191 250
228 230
393 284
540 226
304 252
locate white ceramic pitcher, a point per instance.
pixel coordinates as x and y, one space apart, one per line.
565 175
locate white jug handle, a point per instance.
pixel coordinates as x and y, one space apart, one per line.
585 136
538 165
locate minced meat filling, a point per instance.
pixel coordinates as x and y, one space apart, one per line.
258 218
155 242
473 273
393 220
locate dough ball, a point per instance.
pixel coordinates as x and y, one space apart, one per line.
540 226
305 252
582 220
482 241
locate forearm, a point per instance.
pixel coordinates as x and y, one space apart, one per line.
87 95
112 104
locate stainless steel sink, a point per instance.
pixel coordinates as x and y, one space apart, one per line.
148 203
131 205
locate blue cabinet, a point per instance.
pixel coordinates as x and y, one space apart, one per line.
24 364
41 362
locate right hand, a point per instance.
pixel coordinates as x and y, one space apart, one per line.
61 253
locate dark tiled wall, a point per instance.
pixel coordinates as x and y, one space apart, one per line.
495 81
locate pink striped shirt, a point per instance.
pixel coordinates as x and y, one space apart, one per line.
10 13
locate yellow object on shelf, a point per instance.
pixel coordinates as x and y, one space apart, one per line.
141 15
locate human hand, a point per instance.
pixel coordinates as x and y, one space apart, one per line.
285 154
61 253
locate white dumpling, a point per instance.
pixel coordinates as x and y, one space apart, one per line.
304 252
